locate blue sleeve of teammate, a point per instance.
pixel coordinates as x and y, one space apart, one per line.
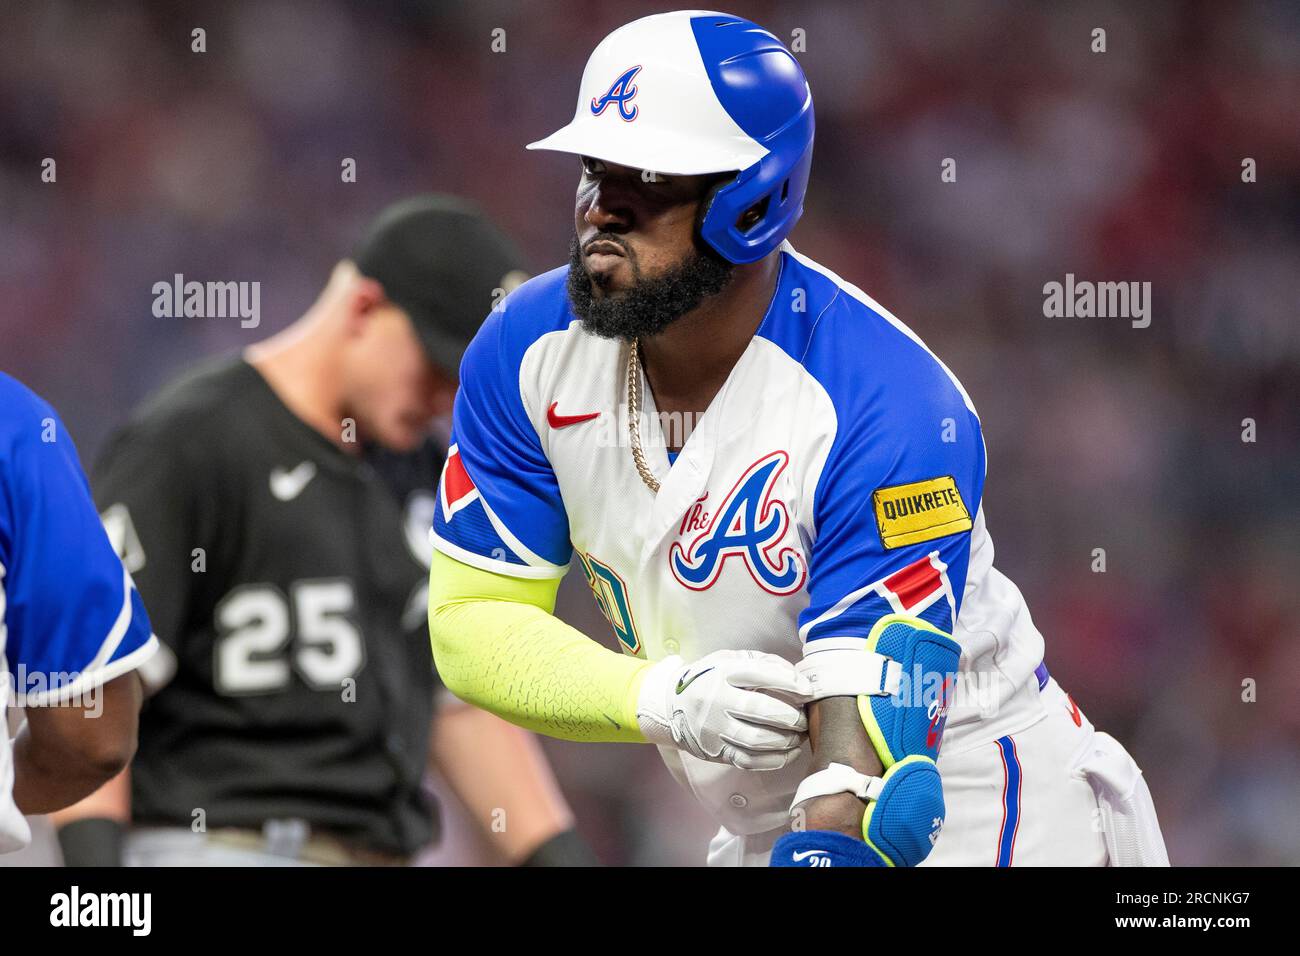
72 619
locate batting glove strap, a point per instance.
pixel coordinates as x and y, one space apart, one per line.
838 778
836 669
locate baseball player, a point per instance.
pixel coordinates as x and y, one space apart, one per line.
73 629
274 508
773 487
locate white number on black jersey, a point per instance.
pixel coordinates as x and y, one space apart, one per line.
262 637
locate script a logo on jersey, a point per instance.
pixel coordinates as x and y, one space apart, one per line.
621 91
749 525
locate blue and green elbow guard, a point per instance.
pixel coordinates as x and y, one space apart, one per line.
909 674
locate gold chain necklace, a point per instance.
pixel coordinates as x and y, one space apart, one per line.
634 417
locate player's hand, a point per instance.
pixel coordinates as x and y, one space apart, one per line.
744 708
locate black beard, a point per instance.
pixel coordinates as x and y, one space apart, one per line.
651 305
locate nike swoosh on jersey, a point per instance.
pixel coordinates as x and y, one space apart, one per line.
287 485
564 421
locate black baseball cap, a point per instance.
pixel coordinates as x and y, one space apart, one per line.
442 262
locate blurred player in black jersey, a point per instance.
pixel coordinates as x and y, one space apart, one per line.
274 509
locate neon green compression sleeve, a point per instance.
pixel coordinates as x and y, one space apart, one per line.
498 646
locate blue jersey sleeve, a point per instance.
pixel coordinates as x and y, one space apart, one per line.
71 616
897 498
499 505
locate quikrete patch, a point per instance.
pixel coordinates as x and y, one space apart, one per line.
919 511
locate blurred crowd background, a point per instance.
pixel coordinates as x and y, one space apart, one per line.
1124 165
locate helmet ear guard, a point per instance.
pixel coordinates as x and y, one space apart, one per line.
775 190
746 234
745 222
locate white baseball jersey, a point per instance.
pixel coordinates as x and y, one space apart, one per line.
836 477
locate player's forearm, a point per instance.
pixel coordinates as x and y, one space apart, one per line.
43 782
891 723
837 736
501 777
63 753
497 646
112 801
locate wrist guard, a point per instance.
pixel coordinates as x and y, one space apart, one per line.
93 841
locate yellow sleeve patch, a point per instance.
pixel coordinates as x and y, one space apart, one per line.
919 511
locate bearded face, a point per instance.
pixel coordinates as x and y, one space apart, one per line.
651 303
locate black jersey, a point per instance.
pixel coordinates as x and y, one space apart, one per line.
288 579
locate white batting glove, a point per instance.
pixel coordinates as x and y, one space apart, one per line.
724 708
